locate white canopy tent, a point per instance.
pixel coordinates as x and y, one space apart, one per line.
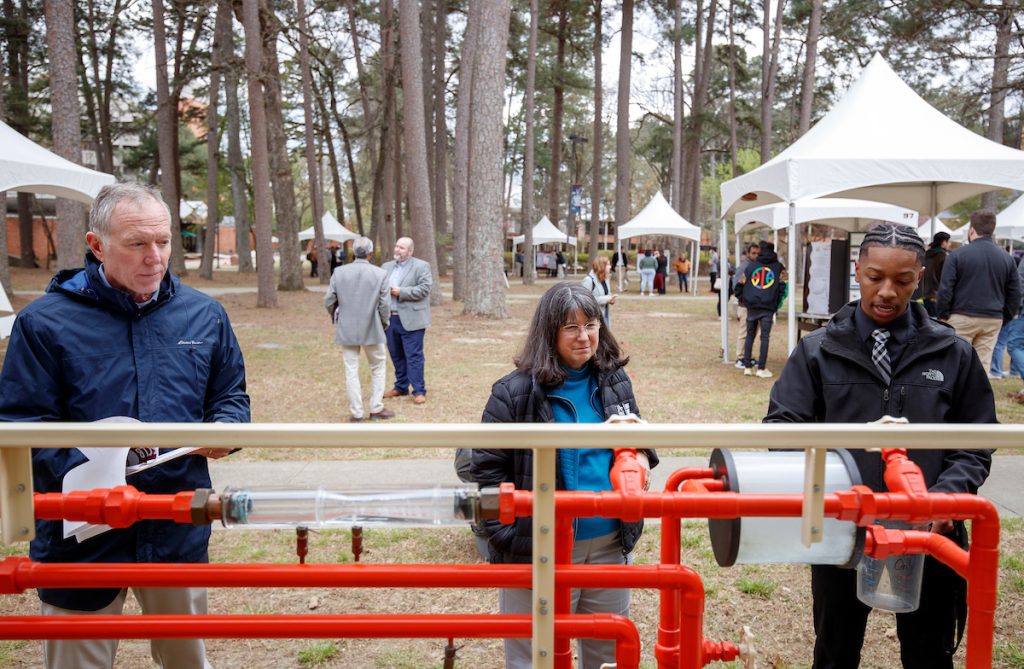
927 230
880 142
658 218
545 232
845 213
1010 221
333 230
25 166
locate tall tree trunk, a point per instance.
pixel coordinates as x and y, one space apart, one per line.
598 133
622 152
236 165
558 108
67 131
311 163
352 175
368 124
440 137
167 132
769 67
280 163
463 136
676 190
695 127
387 231
220 29
415 131
486 280
807 88
529 264
332 156
16 32
397 165
997 96
266 295
733 145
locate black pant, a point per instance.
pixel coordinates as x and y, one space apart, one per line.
754 318
927 635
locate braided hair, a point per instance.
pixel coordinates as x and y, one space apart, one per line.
890 235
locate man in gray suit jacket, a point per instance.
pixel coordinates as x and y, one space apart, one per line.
409 280
357 299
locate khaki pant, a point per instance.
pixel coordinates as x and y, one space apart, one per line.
982 333
99 653
376 355
741 331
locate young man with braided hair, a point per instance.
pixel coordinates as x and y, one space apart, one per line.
883 355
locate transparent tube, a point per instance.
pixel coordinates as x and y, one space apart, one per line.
321 507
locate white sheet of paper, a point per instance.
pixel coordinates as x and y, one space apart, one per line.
104 469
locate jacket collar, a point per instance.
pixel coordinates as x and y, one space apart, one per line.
842 339
86 285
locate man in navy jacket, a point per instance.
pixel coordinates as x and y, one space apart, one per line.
123 337
979 291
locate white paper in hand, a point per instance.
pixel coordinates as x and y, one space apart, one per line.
103 469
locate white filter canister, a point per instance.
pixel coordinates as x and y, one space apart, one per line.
777 540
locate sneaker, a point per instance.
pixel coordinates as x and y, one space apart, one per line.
383 414
995 377
763 374
748 371
740 365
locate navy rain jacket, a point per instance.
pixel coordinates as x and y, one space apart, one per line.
84 351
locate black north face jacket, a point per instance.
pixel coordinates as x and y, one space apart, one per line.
830 378
518 398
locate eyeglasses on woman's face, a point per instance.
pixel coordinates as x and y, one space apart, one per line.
573 330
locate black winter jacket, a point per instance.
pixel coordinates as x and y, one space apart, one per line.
518 398
934 259
761 287
830 378
979 280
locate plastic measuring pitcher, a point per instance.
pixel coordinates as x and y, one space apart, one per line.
893 584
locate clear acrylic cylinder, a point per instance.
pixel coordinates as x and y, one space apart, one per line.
323 507
892 584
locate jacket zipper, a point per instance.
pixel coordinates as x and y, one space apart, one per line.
899 404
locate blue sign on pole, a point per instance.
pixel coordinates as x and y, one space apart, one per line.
575 199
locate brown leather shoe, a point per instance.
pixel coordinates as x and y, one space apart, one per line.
355 419
419 399
391 392
383 414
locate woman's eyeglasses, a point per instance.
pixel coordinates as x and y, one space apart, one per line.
574 329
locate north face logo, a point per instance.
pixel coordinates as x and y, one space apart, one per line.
933 375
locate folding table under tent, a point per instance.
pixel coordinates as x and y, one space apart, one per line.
880 142
333 230
658 218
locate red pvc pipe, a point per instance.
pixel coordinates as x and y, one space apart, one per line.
880 543
118 507
676 478
477 626
563 593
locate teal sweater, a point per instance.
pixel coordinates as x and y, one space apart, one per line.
576 401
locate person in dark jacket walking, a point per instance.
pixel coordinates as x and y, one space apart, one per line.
979 291
122 337
883 355
760 290
569 371
934 259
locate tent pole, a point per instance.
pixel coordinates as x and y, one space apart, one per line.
792 277
723 294
618 250
934 210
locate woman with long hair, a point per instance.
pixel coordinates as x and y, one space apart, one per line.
570 370
597 282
